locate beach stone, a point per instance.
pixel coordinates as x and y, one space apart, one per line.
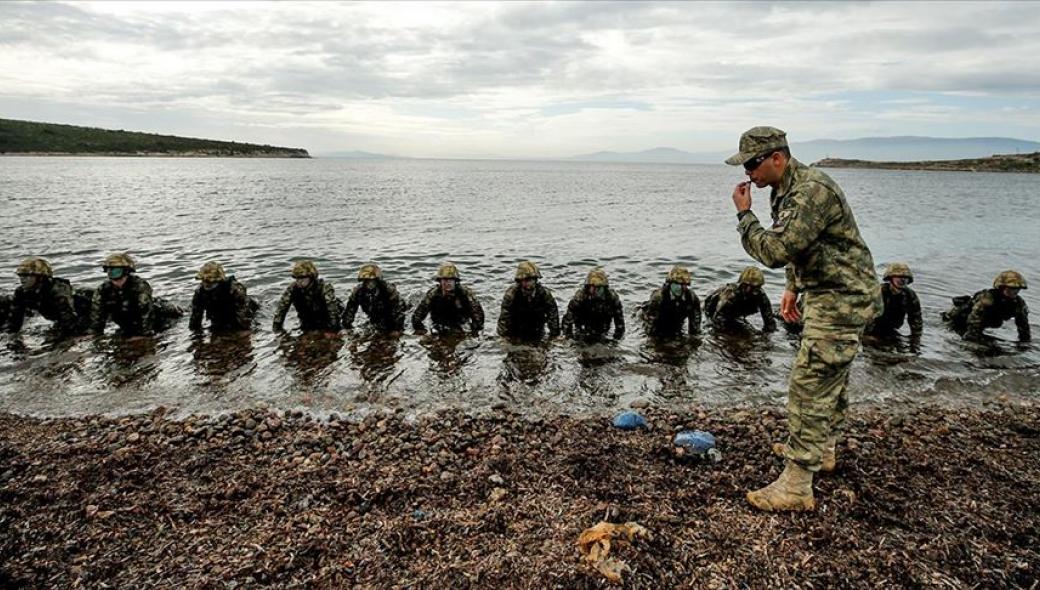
497 479
133 437
639 403
447 476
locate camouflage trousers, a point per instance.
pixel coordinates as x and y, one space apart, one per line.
817 397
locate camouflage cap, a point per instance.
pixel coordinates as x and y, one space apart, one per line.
119 261
446 271
34 266
679 274
1010 278
527 270
752 276
597 277
899 269
304 268
370 271
211 272
757 141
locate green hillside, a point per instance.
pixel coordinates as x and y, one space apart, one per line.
996 163
28 137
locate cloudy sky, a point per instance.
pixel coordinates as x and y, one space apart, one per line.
523 79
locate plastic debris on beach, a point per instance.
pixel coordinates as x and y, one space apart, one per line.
630 421
698 444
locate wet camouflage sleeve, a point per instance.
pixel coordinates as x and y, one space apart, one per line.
350 311
328 293
280 310
797 227
572 310
765 309
723 301
98 311
422 310
619 316
694 310
195 320
552 313
977 316
1022 321
397 307
16 311
477 321
143 295
505 323
651 310
913 312
243 305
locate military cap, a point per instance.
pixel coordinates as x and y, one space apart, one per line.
119 261
211 272
752 276
369 271
527 270
35 266
899 269
304 268
757 141
679 274
446 271
1009 278
597 277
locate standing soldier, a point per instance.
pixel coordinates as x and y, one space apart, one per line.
450 305
990 308
42 292
671 305
378 299
814 235
593 307
730 304
900 303
127 300
222 299
528 307
315 301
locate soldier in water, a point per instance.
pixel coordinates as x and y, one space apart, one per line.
221 299
592 309
452 307
990 308
314 300
126 299
900 304
41 292
528 308
727 306
378 299
671 306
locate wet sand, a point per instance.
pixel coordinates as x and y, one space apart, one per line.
926 497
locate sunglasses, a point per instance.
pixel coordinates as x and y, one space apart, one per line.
757 161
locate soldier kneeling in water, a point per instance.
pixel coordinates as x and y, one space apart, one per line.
378 299
990 308
52 297
728 305
222 299
450 305
314 299
900 302
127 300
592 309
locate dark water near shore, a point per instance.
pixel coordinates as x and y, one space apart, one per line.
956 230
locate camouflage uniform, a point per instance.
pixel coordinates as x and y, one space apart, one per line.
316 305
731 303
526 316
132 308
990 309
814 235
51 297
383 305
590 316
227 304
664 314
449 312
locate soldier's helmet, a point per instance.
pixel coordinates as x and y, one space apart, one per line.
527 270
679 274
304 268
211 272
370 271
119 261
446 271
1009 278
752 276
597 277
35 266
899 269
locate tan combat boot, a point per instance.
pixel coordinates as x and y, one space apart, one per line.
791 491
828 461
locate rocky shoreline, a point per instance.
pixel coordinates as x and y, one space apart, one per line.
1028 163
927 497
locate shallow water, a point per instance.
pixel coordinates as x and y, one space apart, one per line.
956 230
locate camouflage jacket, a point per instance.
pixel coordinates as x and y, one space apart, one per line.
729 303
898 307
53 299
591 316
989 309
664 316
384 307
815 235
131 308
449 313
526 318
227 306
316 306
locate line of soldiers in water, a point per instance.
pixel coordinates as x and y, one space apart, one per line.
528 309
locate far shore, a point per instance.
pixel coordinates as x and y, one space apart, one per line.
1024 163
148 155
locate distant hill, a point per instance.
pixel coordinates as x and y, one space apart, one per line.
997 163
893 149
31 138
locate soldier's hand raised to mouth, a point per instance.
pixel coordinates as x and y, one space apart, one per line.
742 196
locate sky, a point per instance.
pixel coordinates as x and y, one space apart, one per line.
519 80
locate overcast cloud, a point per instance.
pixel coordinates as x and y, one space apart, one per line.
524 79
